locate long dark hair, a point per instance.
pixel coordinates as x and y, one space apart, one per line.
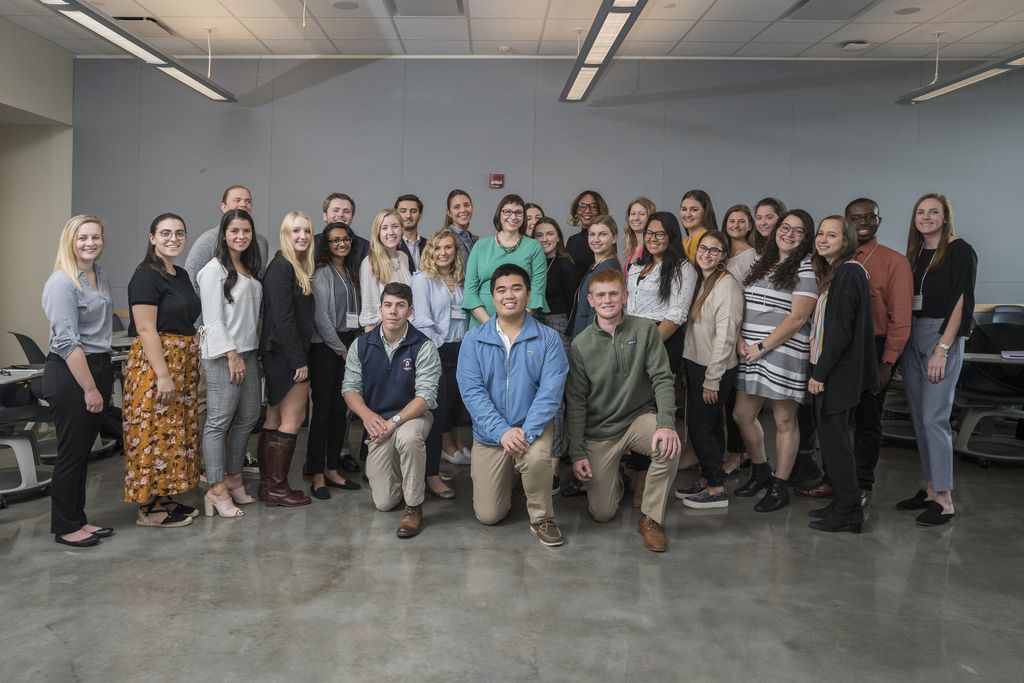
323 252
783 275
779 208
699 297
251 257
709 222
151 259
674 259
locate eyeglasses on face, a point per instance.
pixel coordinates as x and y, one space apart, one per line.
714 251
335 241
865 218
797 232
659 235
507 213
587 207
166 235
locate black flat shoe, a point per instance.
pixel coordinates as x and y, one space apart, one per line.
349 485
574 488
84 543
776 498
934 516
841 520
918 502
760 477
320 493
105 532
349 464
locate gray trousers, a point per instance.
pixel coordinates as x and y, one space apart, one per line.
231 413
931 404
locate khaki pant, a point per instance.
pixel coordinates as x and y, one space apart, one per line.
397 465
605 490
493 474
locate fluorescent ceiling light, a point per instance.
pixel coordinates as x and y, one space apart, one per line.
613 24
624 3
112 36
960 84
1016 62
583 79
192 83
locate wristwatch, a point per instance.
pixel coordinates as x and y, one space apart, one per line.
397 419
760 347
944 347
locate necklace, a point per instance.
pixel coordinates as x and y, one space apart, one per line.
508 250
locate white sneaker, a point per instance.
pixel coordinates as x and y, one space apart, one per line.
457 458
250 465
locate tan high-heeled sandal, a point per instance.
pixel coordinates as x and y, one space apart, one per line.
225 508
239 495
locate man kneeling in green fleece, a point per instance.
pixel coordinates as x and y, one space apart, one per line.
620 396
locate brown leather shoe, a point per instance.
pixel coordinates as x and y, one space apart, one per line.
819 490
654 537
411 522
279 461
865 498
261 461
548 533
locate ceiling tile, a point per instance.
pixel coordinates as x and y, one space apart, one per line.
519 47
437 47
573 9
238 47
647 48
725 31
227 28
772 49
359 29
972 49
178 47
828 50
301 47
798 31
283 29
1009 51
874 33
326 8
660 30
120 8
886 11
503 9
22 8
53 27
562 29
952 32
506 29
184 8
369 47
557 47
981 10
90 47
682 10
902 50
417 28
748 10
264 9
1003 32
689 48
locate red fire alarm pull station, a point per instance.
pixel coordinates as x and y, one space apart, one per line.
497 180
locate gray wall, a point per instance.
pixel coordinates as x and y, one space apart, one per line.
815 134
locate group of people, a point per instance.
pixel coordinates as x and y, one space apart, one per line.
555 348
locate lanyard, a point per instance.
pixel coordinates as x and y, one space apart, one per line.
925 274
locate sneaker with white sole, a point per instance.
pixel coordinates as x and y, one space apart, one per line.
706 499
250 465
457 458
693 490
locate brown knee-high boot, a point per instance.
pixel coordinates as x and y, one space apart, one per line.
261 460
279 462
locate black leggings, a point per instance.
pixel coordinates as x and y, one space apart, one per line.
449 405
674 348
327 424
706 421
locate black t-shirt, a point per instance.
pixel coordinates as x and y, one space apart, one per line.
177 304
943 286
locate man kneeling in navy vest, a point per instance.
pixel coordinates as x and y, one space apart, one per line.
391 377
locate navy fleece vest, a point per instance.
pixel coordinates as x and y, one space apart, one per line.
388 386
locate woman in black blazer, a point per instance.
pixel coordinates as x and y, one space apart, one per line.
288 321
843 364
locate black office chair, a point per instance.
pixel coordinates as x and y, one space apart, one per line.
118 325
1008 308
17 413
33 353
1016 317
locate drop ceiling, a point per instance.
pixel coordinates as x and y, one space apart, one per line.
684 28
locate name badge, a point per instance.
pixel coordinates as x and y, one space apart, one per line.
351 320
458 314
918 302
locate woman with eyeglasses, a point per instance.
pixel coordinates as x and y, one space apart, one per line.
336 323
78 375
533 214
161 429
660 287
774 348
509 245
457 217
587 206
697 216
603 236
636 220
766 218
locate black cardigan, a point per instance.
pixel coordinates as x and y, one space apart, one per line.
943 287
847 365
287 314
582 255
563 281
402 246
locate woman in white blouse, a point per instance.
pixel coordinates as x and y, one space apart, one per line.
384 264
231 297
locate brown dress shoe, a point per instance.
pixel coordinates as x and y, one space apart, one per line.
865 498
411 522
548 533
819 490
654 537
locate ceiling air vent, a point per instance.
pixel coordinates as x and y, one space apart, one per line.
147 27
426 8
827 10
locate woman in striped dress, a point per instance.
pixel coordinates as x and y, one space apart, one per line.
774 348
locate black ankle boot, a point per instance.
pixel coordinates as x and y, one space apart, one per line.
776 498
822 513
805 469
841 520
760 477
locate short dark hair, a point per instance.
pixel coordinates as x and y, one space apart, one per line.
409 198
505 201
506 270
397 289
860 200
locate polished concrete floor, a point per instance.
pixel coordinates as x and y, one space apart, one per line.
328 592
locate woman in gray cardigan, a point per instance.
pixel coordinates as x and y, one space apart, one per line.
336 298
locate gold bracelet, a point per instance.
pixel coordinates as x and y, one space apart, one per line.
940 355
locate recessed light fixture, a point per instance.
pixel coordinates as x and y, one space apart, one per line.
669 5
342 4
856 46
504 49
907 10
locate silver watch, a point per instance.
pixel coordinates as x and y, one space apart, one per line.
944 347
397 419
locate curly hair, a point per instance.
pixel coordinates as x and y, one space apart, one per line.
782 275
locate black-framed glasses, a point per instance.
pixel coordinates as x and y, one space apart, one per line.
659 235
508 213
865 218
714 251
584 207
335 241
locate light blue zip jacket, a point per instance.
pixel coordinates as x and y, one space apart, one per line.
521 389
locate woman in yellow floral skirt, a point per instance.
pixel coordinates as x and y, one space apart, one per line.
161 374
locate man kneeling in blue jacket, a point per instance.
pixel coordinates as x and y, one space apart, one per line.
512 374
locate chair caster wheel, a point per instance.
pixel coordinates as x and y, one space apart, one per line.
984 464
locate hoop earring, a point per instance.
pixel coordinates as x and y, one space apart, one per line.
720 267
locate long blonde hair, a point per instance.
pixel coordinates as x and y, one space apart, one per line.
66 260
915 242
302 263
429 266
380 264
631 243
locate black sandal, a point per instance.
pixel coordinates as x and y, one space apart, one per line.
172 518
